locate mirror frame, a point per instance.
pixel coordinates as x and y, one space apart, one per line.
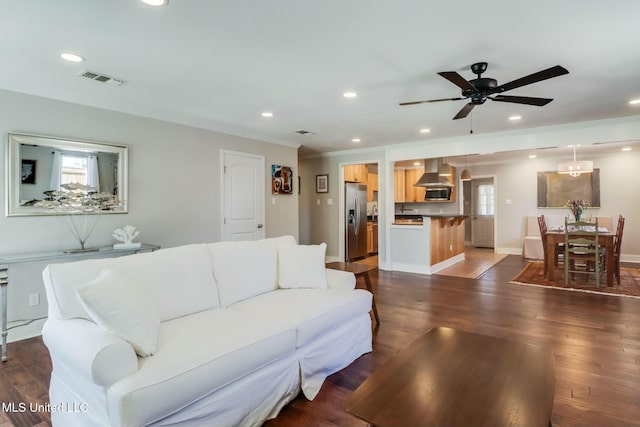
13 170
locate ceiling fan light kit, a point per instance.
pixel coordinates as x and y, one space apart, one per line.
478 90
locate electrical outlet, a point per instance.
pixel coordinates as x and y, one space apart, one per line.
34 299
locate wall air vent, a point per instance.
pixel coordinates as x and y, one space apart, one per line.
304 132
102 78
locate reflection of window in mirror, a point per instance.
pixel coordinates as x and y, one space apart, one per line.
83 169
73 170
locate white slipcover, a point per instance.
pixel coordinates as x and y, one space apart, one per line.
230 351
532 248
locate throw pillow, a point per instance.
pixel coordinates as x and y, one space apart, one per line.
120 307
302 266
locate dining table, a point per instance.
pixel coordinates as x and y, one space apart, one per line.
605 240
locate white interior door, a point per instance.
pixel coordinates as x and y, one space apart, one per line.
243 196
484 203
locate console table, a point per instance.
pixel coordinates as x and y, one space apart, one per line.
7 260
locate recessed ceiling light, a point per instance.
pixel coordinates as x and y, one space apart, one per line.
634 101
72 57
425 130
156 2
417 164
532 156
267 114
355 140
626 149
514 118
349 94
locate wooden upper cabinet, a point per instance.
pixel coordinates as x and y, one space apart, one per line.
412 193
398 185
372 185
355 173
406 192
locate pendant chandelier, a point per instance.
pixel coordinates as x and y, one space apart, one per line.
575 167
465 175
444 169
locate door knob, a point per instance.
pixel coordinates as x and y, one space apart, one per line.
260 225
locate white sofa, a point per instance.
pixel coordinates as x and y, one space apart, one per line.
219 334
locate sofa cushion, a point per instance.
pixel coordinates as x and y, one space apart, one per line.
246 268
180 279
312 312
197 355
121 308
302 266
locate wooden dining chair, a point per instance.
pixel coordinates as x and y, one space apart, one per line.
582 251
617 244
557 250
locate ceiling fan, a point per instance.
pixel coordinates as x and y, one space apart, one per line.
478 90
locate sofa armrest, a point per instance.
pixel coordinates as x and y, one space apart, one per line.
83 347
338 279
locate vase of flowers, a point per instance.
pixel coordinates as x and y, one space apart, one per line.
78 204
577 207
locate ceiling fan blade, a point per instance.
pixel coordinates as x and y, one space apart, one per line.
465 111
431 100
458 80
532 78
522 100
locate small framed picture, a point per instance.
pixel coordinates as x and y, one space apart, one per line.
322 183
28 171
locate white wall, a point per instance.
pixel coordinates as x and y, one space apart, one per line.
174 183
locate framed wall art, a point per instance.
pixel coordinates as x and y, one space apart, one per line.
281 179
322 183
554 189
28 171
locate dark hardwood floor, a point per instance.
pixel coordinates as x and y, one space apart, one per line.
595 340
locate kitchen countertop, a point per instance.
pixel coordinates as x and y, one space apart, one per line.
417 219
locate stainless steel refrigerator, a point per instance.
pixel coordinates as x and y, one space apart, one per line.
356 220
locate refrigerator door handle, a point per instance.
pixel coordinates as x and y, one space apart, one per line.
357 221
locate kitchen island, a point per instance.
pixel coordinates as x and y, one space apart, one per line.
428 246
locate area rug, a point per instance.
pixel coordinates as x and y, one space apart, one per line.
533 275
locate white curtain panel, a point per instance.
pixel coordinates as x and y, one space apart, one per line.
56 171
93 179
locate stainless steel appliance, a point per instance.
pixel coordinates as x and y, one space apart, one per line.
355 221
437 193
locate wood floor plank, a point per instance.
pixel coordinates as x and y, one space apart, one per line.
595 340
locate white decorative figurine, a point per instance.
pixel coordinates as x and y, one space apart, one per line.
126 235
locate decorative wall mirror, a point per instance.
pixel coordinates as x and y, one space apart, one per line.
36 164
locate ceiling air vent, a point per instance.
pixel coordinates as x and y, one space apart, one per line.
304 132
102 78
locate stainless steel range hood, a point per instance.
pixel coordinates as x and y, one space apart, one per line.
430 178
